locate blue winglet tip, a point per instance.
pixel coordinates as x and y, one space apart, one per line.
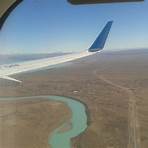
101 39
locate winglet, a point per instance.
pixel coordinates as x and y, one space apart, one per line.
101 39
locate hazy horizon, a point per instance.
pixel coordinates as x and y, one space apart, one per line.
137 50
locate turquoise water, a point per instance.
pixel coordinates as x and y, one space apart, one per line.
78 121
59 138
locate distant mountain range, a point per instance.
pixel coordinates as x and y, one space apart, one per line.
128 51
14 58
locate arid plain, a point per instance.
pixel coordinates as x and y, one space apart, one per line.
114 86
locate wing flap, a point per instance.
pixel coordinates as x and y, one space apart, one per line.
11 79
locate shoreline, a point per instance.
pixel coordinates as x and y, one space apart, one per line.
25 97
16 98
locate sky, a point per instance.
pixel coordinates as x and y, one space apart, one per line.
44 26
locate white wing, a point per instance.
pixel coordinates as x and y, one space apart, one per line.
7 70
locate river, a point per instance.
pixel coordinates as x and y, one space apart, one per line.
78 123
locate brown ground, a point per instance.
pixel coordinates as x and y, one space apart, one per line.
113 86
28 123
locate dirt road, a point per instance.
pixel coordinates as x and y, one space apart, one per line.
133 123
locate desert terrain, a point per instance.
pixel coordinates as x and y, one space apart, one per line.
26 123
113 85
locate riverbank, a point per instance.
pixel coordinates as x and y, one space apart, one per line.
78 119
29 122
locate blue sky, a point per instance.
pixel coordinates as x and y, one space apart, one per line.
55 26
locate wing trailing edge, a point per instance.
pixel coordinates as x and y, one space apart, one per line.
11 79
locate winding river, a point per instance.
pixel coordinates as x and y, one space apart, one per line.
78 123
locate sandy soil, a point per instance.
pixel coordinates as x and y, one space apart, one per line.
29 123
114 86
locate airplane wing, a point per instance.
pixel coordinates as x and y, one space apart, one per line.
7 70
